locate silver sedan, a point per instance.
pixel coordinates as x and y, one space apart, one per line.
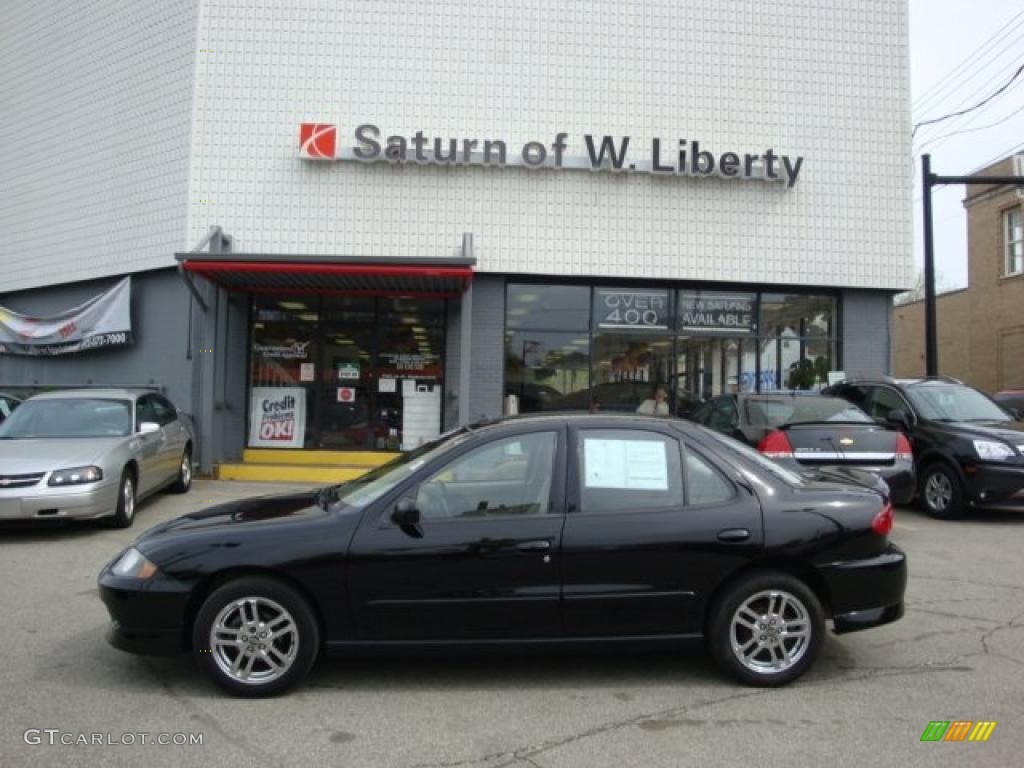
92 453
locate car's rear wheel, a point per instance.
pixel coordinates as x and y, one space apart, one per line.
255 636
941 492
184 481
766 629
124 514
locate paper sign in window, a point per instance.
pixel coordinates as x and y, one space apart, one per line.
636 465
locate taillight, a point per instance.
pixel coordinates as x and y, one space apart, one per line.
882 522
903 449
776 445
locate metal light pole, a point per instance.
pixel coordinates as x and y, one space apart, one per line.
929 180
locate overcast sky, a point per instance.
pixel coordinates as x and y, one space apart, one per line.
960 52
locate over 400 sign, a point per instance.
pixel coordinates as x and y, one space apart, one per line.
624 308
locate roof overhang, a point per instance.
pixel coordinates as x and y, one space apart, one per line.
332 275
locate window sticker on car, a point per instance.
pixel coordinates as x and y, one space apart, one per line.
640 465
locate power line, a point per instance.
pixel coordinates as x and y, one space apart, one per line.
944 137
971 60
981 103
999 156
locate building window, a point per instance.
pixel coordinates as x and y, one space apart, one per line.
797 346
1013 243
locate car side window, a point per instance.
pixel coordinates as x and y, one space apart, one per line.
511 476
163 411
704 483
144 411
626 470
856 395
884 400
702 414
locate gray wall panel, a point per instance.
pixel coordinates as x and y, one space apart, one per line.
488 346
866 332
157 357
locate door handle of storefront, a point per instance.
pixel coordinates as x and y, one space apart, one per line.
538 545
733 535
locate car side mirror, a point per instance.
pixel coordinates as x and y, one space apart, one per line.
898 418
148 427
406 514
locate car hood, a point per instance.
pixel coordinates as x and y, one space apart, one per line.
28 455
236 515
1009 431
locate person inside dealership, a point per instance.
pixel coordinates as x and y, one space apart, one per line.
656 405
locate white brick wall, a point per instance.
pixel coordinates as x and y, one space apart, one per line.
95 112
826 79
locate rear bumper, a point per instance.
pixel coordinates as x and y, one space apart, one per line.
866 593
991 486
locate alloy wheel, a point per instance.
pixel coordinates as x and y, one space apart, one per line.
128 494
770 631
254 640
186 469
938 491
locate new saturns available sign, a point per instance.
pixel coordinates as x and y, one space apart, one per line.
102 321
277 417
660 156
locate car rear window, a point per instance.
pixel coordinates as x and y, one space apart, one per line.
774 411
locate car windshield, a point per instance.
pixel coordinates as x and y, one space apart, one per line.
374 484
954 403
748 453
68 417
774 411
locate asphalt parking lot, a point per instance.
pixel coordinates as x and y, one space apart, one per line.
957 655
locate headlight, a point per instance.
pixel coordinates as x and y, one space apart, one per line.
76 476
132 564
992 451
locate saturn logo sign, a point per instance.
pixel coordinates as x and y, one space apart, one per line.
318 140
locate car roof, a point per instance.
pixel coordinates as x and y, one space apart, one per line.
783 393
923 381
576 417
119 393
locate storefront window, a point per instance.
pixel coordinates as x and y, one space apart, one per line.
548 371
798 344
628 368
548 307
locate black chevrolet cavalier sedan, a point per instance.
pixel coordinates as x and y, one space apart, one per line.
542 532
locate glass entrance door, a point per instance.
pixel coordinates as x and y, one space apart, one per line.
347 372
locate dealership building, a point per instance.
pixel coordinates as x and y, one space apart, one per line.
348 226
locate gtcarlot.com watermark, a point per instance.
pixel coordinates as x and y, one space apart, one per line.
55 737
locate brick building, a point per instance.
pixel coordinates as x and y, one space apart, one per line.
981 327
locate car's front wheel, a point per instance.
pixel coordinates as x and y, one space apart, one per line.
942 495
766 629
255 636
124 513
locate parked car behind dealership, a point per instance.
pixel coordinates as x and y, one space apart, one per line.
806 430
968 451
92 453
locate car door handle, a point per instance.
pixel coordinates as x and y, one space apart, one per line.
539 545
731 535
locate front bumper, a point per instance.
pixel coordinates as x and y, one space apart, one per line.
40 502
145 617
867 592
994 486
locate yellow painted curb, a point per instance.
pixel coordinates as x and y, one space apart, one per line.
319 458
288 473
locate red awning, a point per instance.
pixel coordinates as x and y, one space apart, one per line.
445 278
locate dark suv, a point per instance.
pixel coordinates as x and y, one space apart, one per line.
968 451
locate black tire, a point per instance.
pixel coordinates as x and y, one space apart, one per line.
941 492
184 481
753 585
127 500
270 594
